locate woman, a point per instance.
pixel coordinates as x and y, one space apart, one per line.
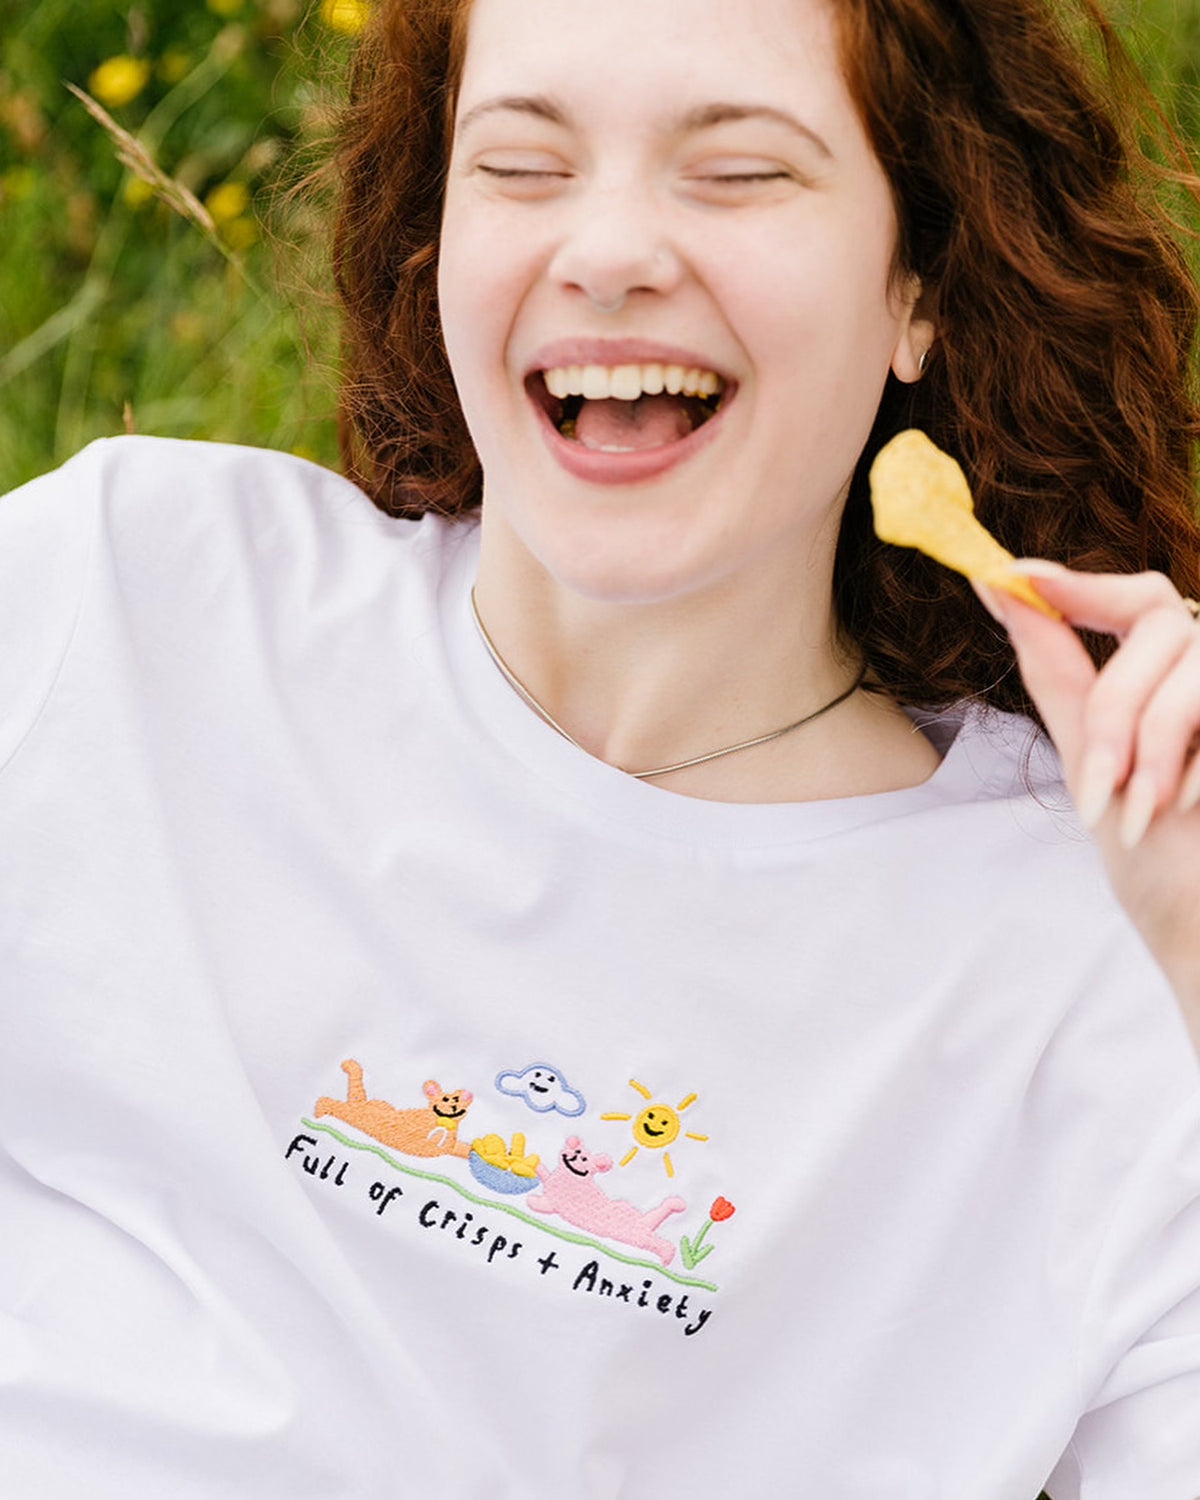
604 1001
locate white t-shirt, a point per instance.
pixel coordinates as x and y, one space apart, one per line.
867 1133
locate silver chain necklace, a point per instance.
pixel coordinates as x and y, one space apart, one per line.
683 765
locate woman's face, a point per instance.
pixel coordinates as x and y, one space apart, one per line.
638 185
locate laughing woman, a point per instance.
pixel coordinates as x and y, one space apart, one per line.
592 976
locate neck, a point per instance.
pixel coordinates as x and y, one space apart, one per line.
647 684
753 742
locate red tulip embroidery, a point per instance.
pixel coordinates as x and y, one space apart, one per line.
694 1251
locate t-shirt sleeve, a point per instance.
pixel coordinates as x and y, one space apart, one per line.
1139 1438
46 533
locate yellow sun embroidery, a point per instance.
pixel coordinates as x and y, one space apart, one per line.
657 1127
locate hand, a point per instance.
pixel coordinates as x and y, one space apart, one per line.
1127 736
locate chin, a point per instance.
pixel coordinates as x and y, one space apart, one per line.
641 544
626 569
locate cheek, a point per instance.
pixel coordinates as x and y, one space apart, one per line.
818 296
484 273
458 289
470 324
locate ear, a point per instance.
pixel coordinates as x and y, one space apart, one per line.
602 1163
573 1143
433 1089
918 328
466 1096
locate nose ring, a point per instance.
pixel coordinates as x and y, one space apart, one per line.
614 307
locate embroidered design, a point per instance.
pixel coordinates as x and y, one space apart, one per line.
572 1192
504 1169
590 1242
657 1126
543 1088
428 1131
692 1252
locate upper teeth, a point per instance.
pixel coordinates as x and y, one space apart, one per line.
628 382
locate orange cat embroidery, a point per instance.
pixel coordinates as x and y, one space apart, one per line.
428 1131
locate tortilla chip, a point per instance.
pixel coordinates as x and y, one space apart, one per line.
921 499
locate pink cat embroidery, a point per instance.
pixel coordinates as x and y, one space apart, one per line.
572 1192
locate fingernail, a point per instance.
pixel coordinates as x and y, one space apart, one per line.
1097 782
1141 799
1189 797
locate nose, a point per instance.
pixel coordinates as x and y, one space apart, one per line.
615 247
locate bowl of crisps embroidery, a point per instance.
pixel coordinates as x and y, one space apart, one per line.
503 1168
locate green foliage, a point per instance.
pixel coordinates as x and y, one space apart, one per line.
116 310
1164 36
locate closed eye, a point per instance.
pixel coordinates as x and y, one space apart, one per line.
738 177
522 172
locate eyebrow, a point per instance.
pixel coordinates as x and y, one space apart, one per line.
537 105
703 117
708 115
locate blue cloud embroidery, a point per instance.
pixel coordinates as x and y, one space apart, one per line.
543 1089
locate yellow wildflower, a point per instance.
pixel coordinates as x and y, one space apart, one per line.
240 233
347 16
228 202
119 80
225 8
137 192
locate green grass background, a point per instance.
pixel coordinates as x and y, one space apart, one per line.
115 311
114 308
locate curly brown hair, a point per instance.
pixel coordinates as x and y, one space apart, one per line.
1063 372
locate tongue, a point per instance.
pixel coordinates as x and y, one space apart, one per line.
649 422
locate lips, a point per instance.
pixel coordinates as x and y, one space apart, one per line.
597 466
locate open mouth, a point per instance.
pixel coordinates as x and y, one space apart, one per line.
629 409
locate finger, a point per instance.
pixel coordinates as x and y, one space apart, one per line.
1108 602
1189 794
1166 736
1127 712
1060 676
1057 671
1103 757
